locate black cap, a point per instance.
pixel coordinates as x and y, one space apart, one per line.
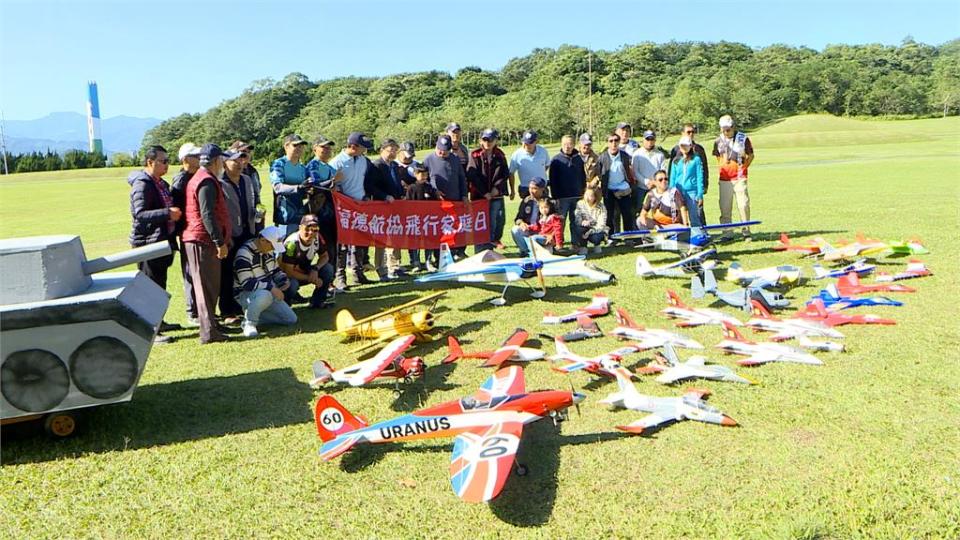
419 167
388 142
360 139
210 151
490 134
323 141
444 142
539 182
309 219
452 126
409 148
293 139
233 154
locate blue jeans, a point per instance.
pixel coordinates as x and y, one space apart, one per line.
260 306
326 273
568 207
596 239
520 238
498 218
692 208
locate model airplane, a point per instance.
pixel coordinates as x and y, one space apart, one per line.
607 365
820 346
787 329
809 248
850 285
649 338
511 350
586 328
671 370
817 311
695 316
389 363
679 238
774 275
740 298
860 267
761 353
689 406
691 264
487 425
600 305
401 320
870 247
490 266
833 300
915 269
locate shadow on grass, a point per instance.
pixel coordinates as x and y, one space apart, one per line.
169 413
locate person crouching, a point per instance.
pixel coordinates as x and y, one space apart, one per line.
549 229
591 215
299 251
662 206
259 284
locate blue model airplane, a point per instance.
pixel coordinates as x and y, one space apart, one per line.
861 267
835 302
678 238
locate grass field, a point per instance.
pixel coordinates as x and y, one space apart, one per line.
219 442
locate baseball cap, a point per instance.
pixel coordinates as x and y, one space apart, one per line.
726 121
233 154
649 134
585 138
241 146
529 137
210 151
293 139
359 139
623 125
452 126
309 219
489 134
388 142
323 141
275 236
444 142
537 181
685 141
187 150
408 148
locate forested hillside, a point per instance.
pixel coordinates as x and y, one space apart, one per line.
651 85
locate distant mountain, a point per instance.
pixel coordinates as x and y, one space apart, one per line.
68 130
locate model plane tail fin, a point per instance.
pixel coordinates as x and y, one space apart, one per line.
333 419
819 271
674 299
644 268
759 310
455 351
446 258
624 319
731 332
345 320
697 289
562 349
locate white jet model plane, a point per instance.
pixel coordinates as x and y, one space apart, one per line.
761 353
772 275
649 338
786 329
690 264
607 365
690 406
671 370
695 316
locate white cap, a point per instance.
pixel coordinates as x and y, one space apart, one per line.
685 141
188 149
726 121
275 236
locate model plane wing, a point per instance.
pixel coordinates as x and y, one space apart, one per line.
395 309
649 421
508 349
504 382
758 358
364 372
482 460
569 366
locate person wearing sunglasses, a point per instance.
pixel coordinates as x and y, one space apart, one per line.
690 131
617 183
305 261
663 205
154 219
734 153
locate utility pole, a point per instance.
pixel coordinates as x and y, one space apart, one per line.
590 92
3 144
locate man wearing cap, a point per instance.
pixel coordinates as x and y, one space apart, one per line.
305 261
734 153
319 198
690 131
646 161
590 166
154 219
628 145
206 235
407 163
527 162
248 168
242 199
352 165
617 184
567 182
287 176
189 156
457 148
488 174
259 284
528 214
446 174
384 183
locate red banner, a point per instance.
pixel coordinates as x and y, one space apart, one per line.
411 224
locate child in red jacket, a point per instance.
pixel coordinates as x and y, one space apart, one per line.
549 228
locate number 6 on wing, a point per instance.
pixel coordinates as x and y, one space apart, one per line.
481 462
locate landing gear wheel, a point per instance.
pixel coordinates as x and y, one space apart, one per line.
60 425
408 380
521 469
397 393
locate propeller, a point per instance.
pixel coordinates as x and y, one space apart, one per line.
573 392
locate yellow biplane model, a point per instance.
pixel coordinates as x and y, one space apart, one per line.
401 320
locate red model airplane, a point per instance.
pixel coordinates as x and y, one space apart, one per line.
389 363
850 285
810 248
600 305
817 311
511 349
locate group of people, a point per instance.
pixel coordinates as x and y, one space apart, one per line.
213 214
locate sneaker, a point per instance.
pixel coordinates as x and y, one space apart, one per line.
362 279
582 251
161 339
367 267
232 320
166 327
400 272
192 322
431 267
250 330
747 237
297 299
340 284
597 250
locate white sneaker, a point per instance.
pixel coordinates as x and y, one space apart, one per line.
431 267
597 249
249 329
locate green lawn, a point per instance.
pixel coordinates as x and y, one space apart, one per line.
219 442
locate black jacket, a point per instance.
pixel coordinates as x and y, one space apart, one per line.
178 190
567 176
483 176
379 180
150 216
529 211
604 161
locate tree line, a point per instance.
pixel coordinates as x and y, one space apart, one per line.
573 89
53 161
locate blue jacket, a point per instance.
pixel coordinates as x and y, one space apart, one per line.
687 176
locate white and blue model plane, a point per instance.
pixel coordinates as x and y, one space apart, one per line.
682 239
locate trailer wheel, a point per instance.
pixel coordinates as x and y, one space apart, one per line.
60 424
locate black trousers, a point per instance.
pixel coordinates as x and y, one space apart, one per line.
156 269
625 206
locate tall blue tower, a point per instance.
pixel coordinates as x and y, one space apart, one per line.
93 118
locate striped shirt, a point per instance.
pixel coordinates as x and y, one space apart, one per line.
254 271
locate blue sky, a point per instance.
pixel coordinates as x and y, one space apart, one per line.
163 58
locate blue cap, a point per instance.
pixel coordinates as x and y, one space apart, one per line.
529 137
537 181
233 154
649 134
444 143
359 139
489 134
210 151
452 126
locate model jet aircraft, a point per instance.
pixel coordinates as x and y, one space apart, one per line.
808 248
871 248
607 365
775 276
691 264
740 298
489 266
671 370
850 285
695 316
649 338
833 300
817 311
401 320
689 406
860 267
389 363
761 353
787 329
915 269
487 425
600 305
678 238
586 328
511 350
820 346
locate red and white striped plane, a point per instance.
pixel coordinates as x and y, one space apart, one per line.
510 350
